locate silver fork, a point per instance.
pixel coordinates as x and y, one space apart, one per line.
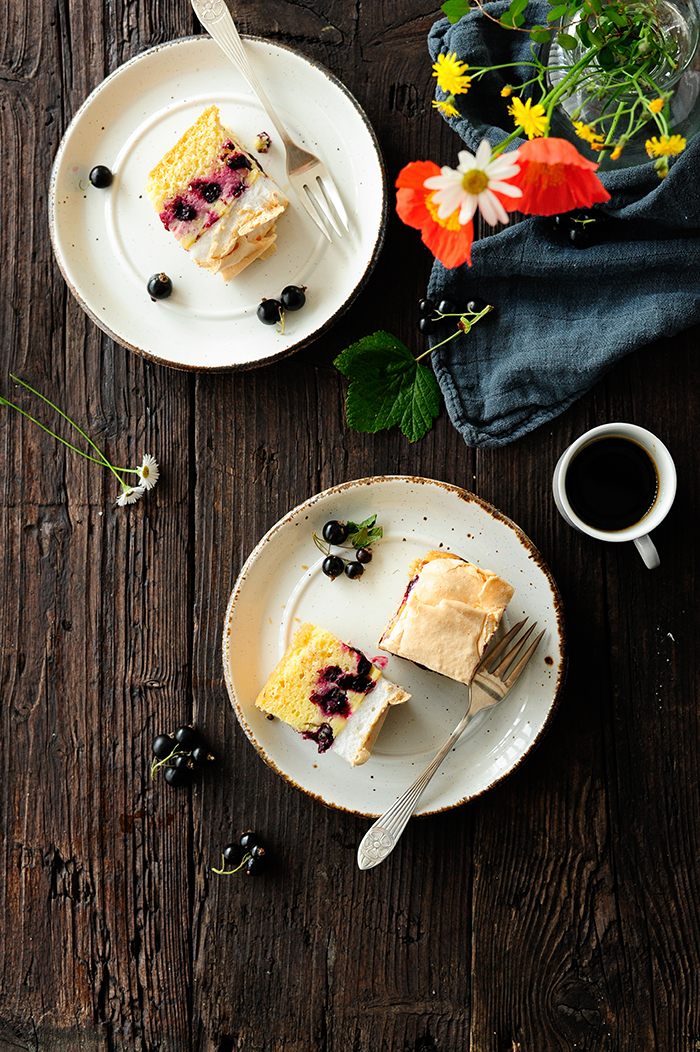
499 670
307 175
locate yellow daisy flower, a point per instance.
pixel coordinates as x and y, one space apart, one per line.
505 92
586 132
532 119
656 105
447 106
450 73
665 146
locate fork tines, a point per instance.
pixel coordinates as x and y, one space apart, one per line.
499 662
325 199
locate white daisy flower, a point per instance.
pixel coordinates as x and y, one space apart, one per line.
471 185
149 472
130 494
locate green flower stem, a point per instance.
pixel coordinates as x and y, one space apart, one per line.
102 461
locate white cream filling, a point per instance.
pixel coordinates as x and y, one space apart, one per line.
257 206
354 742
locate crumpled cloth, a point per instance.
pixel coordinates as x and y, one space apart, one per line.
563 316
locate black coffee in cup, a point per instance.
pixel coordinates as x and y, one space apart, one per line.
612 483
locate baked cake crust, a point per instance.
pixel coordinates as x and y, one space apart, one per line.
447 616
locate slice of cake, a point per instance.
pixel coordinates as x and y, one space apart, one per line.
215 198
330 693
447 616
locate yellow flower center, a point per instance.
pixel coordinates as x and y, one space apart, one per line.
475 181
452 221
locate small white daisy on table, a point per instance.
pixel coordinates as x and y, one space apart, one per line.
148 472
130 494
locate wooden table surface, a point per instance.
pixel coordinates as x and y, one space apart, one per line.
558 911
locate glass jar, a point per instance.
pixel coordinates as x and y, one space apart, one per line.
679 21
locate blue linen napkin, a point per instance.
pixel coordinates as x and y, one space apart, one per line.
563 316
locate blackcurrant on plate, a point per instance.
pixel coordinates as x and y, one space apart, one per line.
109 241
282 585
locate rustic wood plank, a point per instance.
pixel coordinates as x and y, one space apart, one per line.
558 911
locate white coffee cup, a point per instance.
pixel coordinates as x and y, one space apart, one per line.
639 531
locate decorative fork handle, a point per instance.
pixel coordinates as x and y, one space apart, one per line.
216 18
381 838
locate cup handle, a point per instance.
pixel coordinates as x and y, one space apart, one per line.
645 547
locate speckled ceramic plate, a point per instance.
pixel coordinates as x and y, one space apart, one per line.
282 585
109 242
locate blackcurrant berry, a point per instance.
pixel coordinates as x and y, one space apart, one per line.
426 325
363 555
201 755
476 306
163 745
446 307
159 286
255 866
211 192
578 236
270 312
250 840
180 773
293 297
233 855
354 570
426 307
188 738
335 532
258 851
332 566
100 176
184 211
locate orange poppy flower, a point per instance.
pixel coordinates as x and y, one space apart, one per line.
448 239
554 178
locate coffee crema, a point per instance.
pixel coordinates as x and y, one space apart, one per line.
612 483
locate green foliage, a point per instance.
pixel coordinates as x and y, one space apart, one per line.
388 387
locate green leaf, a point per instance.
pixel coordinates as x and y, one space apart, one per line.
566 41
364 534
518 6
454 9
595 7
388 387
557 12
616 17
540 35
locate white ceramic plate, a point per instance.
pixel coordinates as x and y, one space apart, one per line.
109 242
282 585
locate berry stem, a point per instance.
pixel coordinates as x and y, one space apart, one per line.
157 764
228 872
468 322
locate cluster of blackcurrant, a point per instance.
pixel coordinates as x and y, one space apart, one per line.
579 228
271 312
249 854
181 755
431 315
335 533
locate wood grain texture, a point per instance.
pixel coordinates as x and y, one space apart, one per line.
558 912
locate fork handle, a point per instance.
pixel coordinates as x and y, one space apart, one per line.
381 838
216 18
